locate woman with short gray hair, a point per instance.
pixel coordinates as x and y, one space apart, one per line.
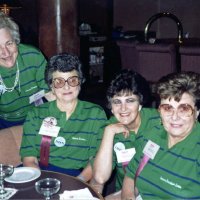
22 83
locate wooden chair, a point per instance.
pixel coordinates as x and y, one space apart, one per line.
10 141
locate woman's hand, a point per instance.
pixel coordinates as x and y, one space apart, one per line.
116 129
97 186
128 189
31 162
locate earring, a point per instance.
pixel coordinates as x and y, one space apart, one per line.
161 122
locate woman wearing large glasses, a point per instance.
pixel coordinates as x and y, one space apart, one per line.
61 135
168 165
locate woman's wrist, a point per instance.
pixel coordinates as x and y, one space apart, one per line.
81 177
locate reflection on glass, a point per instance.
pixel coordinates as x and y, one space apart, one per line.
47 187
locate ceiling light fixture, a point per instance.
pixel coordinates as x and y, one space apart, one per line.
7 5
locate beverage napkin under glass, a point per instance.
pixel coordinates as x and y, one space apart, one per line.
9 193
82 194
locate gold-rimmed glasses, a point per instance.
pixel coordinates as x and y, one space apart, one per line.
183 110
72 81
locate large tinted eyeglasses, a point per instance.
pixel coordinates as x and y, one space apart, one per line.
72 81
183 110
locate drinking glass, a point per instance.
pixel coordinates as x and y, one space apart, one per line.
5 171
47 187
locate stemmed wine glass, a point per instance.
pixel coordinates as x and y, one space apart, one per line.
47 187
5 171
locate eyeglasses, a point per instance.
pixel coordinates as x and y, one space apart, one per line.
72 81
8 45
183 110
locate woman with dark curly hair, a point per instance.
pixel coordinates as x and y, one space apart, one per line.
167 163
69 126
127 94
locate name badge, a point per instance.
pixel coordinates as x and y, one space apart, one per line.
49 127
119 146
139 197
60 141
151 149
125 155
36 96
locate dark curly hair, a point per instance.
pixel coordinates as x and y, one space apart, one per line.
175 84
130 82
63 62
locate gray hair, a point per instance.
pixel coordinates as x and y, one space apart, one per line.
63 62
8 23
175 84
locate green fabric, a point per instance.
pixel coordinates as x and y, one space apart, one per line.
150 117
80 132
174 173
15 105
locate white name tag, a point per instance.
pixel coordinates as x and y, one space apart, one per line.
119 146
139 197
151 149
36 96
125 155
51 131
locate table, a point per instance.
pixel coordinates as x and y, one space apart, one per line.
27 190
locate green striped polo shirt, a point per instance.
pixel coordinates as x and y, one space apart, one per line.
78 134
149 117
15 105
174 173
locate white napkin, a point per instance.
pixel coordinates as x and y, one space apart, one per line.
82 194
9 193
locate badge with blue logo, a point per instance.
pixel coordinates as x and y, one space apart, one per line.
60 141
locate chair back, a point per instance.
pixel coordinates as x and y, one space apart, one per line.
155 60
10 141
190 58
128 54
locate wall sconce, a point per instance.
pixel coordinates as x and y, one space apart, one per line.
7 5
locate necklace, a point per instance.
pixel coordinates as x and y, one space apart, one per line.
3 87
